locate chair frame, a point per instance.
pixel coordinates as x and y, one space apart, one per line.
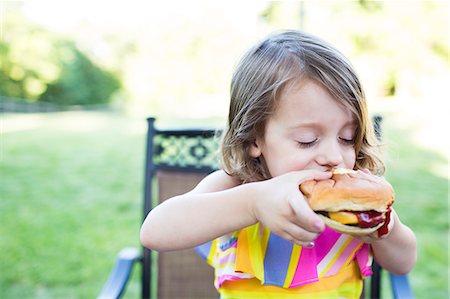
150 171
128 257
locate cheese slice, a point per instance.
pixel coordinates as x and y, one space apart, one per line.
343 217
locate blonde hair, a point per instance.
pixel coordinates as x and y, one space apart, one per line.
263 72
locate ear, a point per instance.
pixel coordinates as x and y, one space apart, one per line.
255 149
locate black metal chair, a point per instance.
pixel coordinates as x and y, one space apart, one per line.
176 160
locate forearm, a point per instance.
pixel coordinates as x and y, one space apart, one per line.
397 252
194 218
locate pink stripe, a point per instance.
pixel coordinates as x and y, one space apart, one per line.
227 277
306 271
325 242
343 257
364 259
229 258
225 257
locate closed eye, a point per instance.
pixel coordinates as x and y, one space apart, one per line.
306 144
347 141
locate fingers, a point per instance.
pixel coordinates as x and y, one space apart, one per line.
311 174
300 236
285 212
304 216
304 225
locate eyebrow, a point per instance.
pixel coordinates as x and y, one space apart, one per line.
319 124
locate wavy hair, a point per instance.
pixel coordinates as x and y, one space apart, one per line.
261 75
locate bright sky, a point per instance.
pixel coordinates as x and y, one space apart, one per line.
59 14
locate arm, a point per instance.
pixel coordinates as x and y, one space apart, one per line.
220 205
198 216
397 252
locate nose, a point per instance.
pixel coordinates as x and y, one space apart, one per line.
330 155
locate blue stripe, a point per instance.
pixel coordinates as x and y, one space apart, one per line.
276 261
203 250
228 244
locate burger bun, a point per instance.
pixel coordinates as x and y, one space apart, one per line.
348 229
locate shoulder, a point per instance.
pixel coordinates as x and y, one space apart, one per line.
216 181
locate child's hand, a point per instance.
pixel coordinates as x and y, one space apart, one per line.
283 209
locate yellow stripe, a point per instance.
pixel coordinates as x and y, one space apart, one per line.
254 250
346 290
265 240
336 256
352 255
346 284
321 295
212 252
296 251
231 294
350 290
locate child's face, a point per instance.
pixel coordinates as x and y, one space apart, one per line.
309 130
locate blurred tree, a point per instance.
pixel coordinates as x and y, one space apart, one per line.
81 82
370 5
400 48
284 14
37 65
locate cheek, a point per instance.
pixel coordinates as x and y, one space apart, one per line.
349 159
287 163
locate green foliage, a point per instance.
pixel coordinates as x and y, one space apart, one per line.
81 82
37 65
370 5
441 49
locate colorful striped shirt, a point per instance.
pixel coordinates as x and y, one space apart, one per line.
255 263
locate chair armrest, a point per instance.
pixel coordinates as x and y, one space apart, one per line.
401 288
120 274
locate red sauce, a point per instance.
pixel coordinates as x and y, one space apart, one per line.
384 229
368 219
372 218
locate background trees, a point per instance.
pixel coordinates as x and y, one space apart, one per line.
174 59
40 66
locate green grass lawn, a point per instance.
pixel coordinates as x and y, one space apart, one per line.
71 199
71 186
418 176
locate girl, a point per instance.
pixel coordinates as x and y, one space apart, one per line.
297 110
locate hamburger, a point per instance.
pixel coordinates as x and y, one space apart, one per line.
351 201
